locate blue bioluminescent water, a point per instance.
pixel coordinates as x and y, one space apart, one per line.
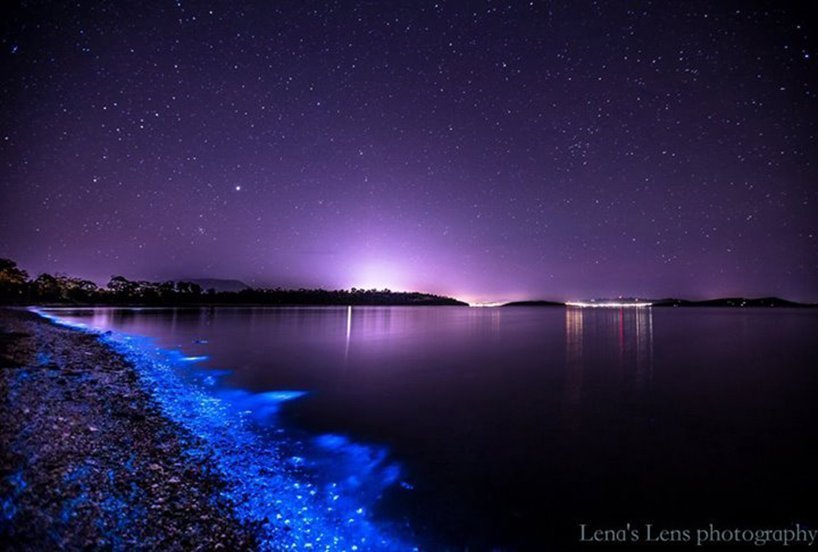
305 491
7 504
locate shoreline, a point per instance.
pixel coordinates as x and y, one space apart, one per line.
203 452
87 459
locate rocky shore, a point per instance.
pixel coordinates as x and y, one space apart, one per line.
87 461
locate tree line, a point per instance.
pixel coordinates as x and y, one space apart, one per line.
16 287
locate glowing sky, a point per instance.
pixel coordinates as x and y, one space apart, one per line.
488 150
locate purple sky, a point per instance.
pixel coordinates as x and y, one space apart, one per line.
487 150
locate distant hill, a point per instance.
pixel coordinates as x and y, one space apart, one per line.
730 302
534 304
217 283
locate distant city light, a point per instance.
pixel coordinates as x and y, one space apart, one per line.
607 304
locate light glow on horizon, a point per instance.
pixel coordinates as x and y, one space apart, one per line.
379 275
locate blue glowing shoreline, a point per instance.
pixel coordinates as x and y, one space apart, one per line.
304 492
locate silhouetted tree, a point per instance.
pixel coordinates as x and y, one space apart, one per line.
76 289
166 290
122 287
13 281
47 288
147 291
188 288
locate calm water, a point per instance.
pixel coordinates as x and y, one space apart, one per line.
511 426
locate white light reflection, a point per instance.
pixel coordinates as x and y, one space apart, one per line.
614 346
349 332
573 366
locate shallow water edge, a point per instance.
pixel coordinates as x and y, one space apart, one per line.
295 490
88 460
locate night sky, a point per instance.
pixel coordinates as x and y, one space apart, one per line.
486 150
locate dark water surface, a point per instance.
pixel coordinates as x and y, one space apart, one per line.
514 425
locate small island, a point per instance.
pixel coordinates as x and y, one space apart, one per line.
534 304
739 302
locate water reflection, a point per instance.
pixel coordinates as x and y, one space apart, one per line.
644 346
348 333
596 336
500 418
573 365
